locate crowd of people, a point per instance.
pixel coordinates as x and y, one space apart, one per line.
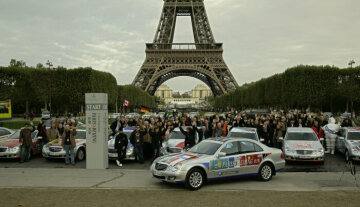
152 131
64 129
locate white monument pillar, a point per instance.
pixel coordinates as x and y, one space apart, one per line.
96 130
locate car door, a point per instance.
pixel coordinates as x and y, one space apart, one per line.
251 156
35 143
340 143
224 166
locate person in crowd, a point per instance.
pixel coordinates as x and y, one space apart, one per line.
202 133
318 130
68 144
189 136
346 123
52 133
116 125
278 132
147 146
331 132
218 130
42 133
25 141
60 129
121 143
137 140
157 139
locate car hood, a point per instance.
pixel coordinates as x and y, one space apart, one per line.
303 145
176 143
111 144
183 158
57 142
354 143
10 143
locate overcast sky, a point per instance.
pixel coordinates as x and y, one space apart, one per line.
261 37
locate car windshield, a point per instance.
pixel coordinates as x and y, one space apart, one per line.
301 136
208 148
80 135
243 135
176 135
353 136
16 135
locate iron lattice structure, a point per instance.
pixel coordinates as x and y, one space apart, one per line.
202 60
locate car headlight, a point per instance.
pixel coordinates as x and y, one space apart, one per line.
289 151
45 148
130 150
14 149
175 168
354 149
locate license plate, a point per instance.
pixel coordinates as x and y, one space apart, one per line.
52 153
113 155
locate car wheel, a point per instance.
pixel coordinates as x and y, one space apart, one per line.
80 155
266 172
347 156
194 179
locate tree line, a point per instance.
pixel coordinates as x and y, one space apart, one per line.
325 88
62 90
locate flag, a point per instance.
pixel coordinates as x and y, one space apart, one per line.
126 103
144 109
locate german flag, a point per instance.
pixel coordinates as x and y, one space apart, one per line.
144 109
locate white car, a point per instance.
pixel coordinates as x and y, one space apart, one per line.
348 143
114 115
5 132
129 149
54 149
132 115
245 132
216 159
45 115
175 142
302 144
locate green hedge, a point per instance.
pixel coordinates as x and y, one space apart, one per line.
16 124
321 87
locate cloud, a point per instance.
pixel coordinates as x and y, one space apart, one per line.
260 37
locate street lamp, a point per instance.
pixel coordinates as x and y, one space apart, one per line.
351 63
49 64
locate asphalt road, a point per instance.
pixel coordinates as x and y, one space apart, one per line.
137 197
333 163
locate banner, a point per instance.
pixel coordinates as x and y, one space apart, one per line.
5 109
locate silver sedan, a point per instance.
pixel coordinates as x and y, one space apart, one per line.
215 159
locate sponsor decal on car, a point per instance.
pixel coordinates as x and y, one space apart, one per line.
356 144
236 162
303 145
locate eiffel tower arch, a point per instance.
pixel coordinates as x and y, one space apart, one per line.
202 60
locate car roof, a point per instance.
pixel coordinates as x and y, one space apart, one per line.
243 129
225 139
353 129
299 129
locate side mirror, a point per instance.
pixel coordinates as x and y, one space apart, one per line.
281 138
221 154
262 140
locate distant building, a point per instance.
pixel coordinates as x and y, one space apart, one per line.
195 97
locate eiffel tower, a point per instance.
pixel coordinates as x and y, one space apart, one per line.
202 60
